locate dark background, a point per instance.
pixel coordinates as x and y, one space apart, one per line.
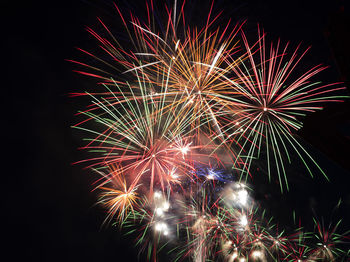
48 211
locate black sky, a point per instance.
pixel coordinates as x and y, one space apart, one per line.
48 207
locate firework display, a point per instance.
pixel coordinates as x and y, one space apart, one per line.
175 127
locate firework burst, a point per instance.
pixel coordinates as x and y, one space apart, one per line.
269 106
139 133
116 196
179 107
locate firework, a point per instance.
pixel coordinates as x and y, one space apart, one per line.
270 103
183 115
328 242
138 133
116 195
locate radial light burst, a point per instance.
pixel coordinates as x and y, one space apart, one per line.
178 120
271 100
139 132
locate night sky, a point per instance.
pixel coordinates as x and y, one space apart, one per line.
49 208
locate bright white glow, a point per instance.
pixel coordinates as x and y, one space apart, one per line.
177 44
240 185
166 206
184 150
161 227
218 54
159 211
157 195
237 123
258 242
174 175
243 221
256 254
242 197
242 259
210 176
234 255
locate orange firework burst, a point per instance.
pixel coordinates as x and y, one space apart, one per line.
117 197
195 65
